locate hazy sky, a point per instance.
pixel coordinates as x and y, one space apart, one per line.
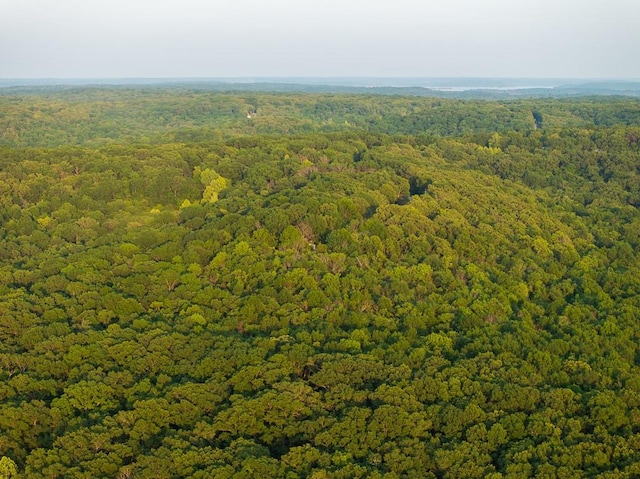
388 38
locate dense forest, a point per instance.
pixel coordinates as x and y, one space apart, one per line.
98 116
231 285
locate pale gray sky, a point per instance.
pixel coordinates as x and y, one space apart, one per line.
384 38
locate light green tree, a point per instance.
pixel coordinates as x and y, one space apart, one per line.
213 185
8 468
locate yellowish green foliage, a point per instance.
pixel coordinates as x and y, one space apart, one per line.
213 184
8 469
330 305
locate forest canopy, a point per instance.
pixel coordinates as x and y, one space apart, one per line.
237 285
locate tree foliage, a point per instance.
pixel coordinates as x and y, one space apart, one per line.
324 304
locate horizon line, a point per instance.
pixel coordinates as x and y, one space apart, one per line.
336 77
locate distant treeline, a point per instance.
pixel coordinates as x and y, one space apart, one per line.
96 116
452 88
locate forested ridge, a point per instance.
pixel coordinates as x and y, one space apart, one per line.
98 116
322 286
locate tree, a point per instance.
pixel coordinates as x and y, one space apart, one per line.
213 184
8 468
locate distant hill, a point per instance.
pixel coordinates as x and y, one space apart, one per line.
462 88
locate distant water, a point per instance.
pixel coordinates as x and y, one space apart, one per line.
496 88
